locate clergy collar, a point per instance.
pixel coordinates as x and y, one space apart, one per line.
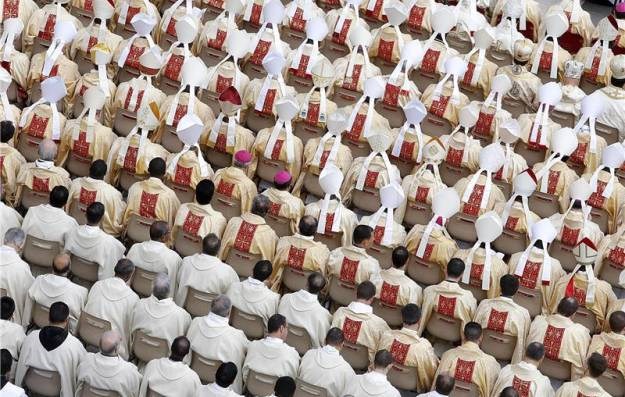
506 298
7 249
331 350
215 320
44 164
253 281
92 229
358 249
377 377
307 296
218 389
273 340
360 308
471 345
527 365
300 236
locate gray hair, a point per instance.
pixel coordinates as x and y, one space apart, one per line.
47 150
161 286
221 306
15 236
109 341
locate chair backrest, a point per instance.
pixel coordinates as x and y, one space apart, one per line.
531 154
423 272
476 290
218 159
403 377
77 165
356 355
139 228
610 272
39 252
498 345
306 132
28 146
142 281
563 253
462 227
242 262
268 168
586 318
556 369
124 121
186 194
417 213
601 218
423 79
40 315
259 384
294 279
499 57
279 224
531 299
613 382
367 199
41 382
464 389
90 391
84 269
257 121
435 126
510 242
198 303
91 328
444 327
146 347
152 393
78 211
211 56
543 204
345 97
252 325
341 293
127 179
565 119
204 367
451 174
515 107
228 206
187 244
389 313
393 113
299 338
334 50
505 187
383 254
610 134
332 240
305 389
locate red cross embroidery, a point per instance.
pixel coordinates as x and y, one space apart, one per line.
130 160
554 177
10 9
422 194
415 19
296 257
596 199
81 146
511 223
617 256
454 156
389 293
277 149
464 370
173 67
340 37
553 341
385 50
351 329
430 60
472 207
218 42
298 22
483 124
192 223
399 351
48 28
37 126
183 175
569 236
245 236
523 387
351 82
301 68
530 274
446 306
87 197
147 205
223 83
612 356
269 99
349 268
439 106
261 50
312 114
497 320
225 188
468 75
41 184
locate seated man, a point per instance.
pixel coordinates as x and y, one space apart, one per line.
234 181
49 221
503 315
6 387
524 375
154 255
273 349
374 383
42 175
358 322
352 264
469 364
11 334
199 218
55 287
283 203
204 271
250 232
325 367
93 244
224 378
113 300
151 198
9 218
107 370
409 349
157 315
394 287
448 297
587 385
612 343
306 312
564 340
12 160
93 188
170 375
214 339
52 348
15 275
253 296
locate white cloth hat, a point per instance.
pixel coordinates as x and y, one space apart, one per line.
330 180
359 36
316 29
491 159
103 9
592 107
186 29
488 227
563 143
509 131
151 61
556 25
391 197
612 158
544 231
189 130
273 12
454 67
143 23
617 66
549 95
274 63
524 184
396 12
287 108
415 111
445 204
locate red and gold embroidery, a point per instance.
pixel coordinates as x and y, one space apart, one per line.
340 37
472 207
132 60
468 75
245 236
399 351
129 95
261 50
225 188
511 223
389 293
349 269
296 257
147 205
422 194
132 11
255 15
312 114
277 149
454 157
446 306
378 234
356 131
592 73
552 182
80 146
173 67
439 106
523 387
351 82
274 208
298 22
569 236
475 278
10 9
222 83
87 197
351 329
497 321
596 199
329 221
301 68
430 60
612 356
545 61
415 19
483 124
371 179
385 50
48 28
130 160
617 256
218 42
553 341
464 370
192 223
181 111
529 278
183 175
41 184
269 99
38 126
577 157
429 249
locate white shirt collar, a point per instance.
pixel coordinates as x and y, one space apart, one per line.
44 164
309 238
7 249
307 296
360 308
330 350
273 341
377 377
215 320
253 281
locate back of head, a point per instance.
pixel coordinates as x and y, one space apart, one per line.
158 230
617 321
535 351
455 268
307 226
226 374
109 342
97 170
7 130
161 286
410 314
59 196
383 358
157 167
124 269
445 384
400 256
94 213
6 361
509 285
361 234
262 270
285 387
275 322
211 244
335 337
597 364
61 264
365 291
316 283
59 313
179 348
221 306
568 306
47 150
204 191
15 236
260 205
472 331
509 392
7 307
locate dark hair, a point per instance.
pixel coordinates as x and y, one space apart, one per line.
445 384
315 282
97 170
260 205
410 314
262 270
282 186
95 212
335 336
59 196
617 82
211 244
509 285
179 348
617 321
7 307
455 267
400 256
383 358
158 230
7 130
362 233
285 387
59 312
157 167
597 364
472 331
226 374
535 351
275 322
204 191
124 268
568 306
6 361
365 290
307 225
509 391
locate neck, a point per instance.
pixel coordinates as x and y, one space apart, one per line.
531 361
93 224
363 301
109 354
274 335
175 358
414 327
452 279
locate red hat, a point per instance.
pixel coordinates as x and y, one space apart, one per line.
230 100
243 156
282 177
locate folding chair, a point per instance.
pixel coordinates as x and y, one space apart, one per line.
228 206
279 224
367 199
252 325
40 315
211 56
294 279
389 313
185 193
170 140
476 290
586 318
333 50
91 328
356 355
514 106
358 148
211 99
32 198
423 272
307 390
77 165
301 84
473 93
128 178
139 228
394 114
382 253
84 269
601 218
510 242
292 37
531 299
563 118
436 126
84 16
341 292
464 389
557 369
258 384
39 44
306 132
146 347
42 383
332 240
39 252
299 339
124 121
444 327
543 204
460 41
505 187
531 154
204 367
254 71
28 146
423 79
242 262
499 57
268 168
613 382
610 272
198 303
450 174
563 253
462 227
142 282
311 185
405 167
499 345
90 391
187 244
403 377
345 97
218 159
417 213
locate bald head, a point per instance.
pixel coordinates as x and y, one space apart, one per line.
159 231
61 263
568 306
109 341
179 348
47 150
